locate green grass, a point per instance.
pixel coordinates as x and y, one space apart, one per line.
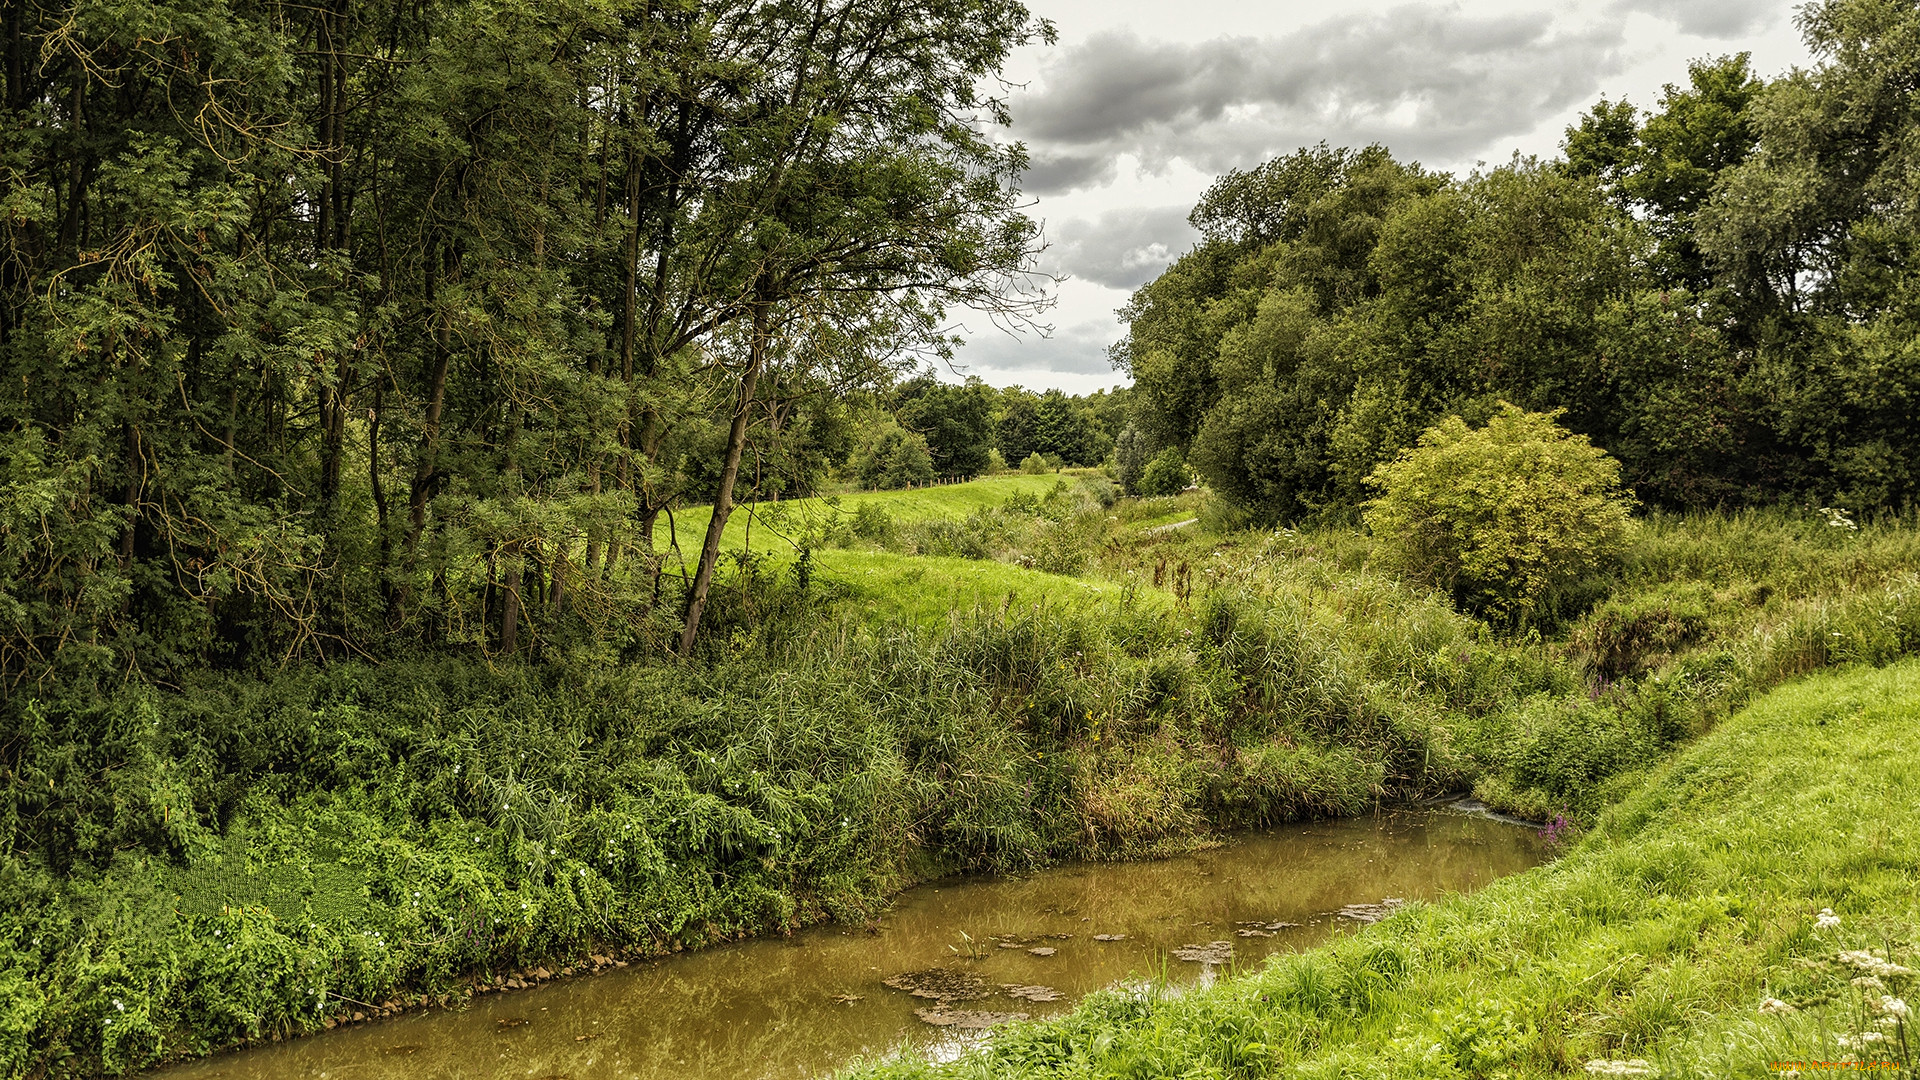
895 712
891 587
772 520
1656 939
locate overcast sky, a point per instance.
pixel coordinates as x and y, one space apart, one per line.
1141 104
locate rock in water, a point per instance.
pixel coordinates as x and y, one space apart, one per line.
1213 952
971 1019
940 984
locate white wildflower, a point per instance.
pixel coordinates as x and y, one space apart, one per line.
1893 1006
1868 982
1866 961
1826 920
1774 1006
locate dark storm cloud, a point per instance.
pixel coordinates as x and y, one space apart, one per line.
1121 249
1432 83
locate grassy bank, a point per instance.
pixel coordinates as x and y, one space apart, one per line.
1032 677
1682 937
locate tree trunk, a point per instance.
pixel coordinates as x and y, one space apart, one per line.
723 499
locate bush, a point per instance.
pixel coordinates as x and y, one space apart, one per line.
1036 464
996 463
1165 475
894 458
1501 515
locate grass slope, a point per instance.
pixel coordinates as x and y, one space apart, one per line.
1681 937
689 526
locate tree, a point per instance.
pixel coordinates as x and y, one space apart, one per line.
957 422
1016 433
1499 516
893 458
1165 475
1131 452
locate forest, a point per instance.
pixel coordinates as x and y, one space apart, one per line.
487 485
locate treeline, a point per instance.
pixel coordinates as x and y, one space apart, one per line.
925 428
1720 292
340 328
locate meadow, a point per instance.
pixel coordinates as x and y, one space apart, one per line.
988 677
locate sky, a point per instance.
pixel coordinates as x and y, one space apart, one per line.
1140 104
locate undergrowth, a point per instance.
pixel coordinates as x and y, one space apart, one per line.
1746 911
250 857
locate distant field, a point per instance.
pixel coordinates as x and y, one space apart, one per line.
918 504
924 588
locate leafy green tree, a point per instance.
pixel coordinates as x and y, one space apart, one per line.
893 458
1501 515
957 422
1061 429
1016 433
1165 475
1131 452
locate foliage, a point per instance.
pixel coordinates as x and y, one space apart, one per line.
1501 515
1717 293
1708 926
1165 475
395 335
1036 464
957 422
892 457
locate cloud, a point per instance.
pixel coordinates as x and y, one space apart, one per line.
1708 18
1080 349
1432 83
1121 249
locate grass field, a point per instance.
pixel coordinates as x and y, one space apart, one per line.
1682 937
772 521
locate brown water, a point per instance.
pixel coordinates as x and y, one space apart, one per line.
799 1007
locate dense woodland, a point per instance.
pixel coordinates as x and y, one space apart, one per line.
328 326
344 329
1721 292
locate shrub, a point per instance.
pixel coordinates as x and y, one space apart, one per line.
1166 474
996 463
1501 515
894 458
1036 464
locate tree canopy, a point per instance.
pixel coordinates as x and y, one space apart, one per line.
1719 293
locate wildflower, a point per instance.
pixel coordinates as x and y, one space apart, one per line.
1893 1006
1826 920
1868 982
120 1006
1774 1006
1629 1067
1866 961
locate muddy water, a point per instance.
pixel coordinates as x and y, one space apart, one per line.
802 1006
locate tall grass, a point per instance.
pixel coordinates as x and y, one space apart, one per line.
245 858
1682 937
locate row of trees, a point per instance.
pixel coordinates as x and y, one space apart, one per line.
326 327
1720 293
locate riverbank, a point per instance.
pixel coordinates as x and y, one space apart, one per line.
1753 902
248 858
